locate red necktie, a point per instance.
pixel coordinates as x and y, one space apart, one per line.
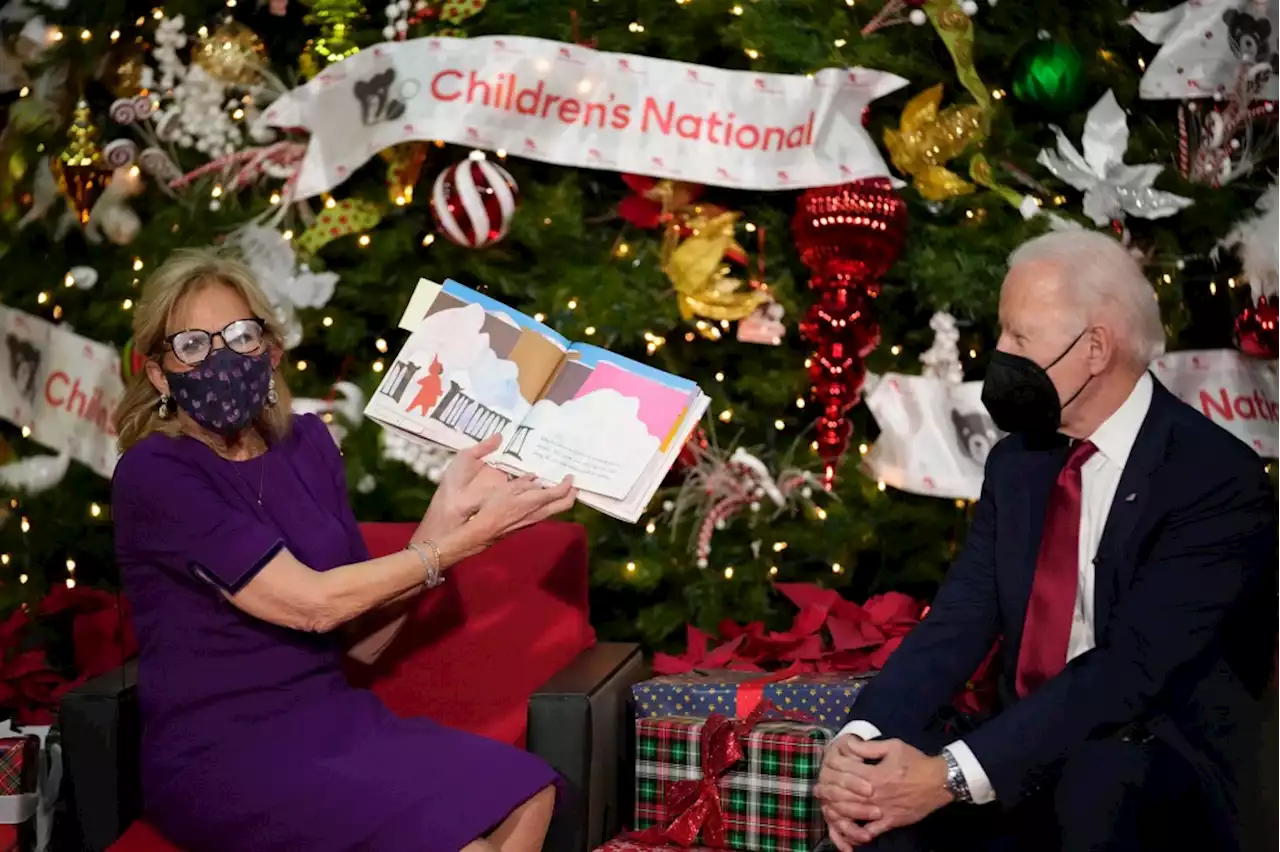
1047 630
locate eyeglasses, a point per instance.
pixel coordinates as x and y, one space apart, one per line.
245 336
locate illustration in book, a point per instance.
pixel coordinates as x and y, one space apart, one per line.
473 367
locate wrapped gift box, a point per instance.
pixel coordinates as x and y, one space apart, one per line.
824 699
19 774
766 797
622 844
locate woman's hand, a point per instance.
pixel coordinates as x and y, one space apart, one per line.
514 504
465 484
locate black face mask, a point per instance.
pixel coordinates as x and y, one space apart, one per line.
1020 396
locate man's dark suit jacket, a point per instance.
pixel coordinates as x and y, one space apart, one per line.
1185 613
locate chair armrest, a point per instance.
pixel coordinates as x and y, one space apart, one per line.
579 722
101 734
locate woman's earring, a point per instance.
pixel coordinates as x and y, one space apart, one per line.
272 396
164 409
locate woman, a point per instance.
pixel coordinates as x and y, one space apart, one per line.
243 565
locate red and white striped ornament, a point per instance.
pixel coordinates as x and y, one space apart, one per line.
473 202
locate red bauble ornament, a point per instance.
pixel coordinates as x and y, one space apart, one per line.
849 236
473 202
1256 330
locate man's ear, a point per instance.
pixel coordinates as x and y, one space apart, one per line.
157 377
1103 346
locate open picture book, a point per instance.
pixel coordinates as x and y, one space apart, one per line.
473 366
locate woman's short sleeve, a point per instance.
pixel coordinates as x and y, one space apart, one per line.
167 510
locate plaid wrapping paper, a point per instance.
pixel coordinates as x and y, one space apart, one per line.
767 796
826 698
18 766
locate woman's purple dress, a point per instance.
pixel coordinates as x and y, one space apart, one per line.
252 738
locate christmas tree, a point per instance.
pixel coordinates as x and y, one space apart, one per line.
175 97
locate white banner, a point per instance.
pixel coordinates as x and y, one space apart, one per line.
1234 391
62 385
935 434
574 106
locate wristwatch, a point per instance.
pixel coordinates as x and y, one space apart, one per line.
956 784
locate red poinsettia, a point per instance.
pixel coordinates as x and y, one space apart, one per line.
102 639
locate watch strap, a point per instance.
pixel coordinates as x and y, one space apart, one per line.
956 783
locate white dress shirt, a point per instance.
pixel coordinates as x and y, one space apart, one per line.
1098 480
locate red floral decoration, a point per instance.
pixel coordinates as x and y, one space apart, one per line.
848 236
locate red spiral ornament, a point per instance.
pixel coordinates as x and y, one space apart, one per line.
848 236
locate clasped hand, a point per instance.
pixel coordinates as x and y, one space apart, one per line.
861 800
489 502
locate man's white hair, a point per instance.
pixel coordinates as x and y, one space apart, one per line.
1101 279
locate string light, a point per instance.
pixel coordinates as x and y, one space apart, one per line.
57 311
540 317
821 513
302 365
621 250
631 567
69 281
115 35
26 524
862 449
1231 282
71 582
728 573
651 528
95 510
836 568
880 485
288 234
56 35
428 240
653 342
327 322
750 227
137 264
364 241
840 42
22 578
24 91
773 570
589 330
572 304
636 27
779 546
736 10
71 566
779 425
719 377
726 415
378 366
381 345
127 304
4 559
799 402
752 53
26 433
1213 288
41 298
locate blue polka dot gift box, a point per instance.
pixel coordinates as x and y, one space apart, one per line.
824 699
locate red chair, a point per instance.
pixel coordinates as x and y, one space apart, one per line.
477 648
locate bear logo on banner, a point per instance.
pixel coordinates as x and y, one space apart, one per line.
976 434
24 366
376 101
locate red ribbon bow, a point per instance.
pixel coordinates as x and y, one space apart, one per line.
697 803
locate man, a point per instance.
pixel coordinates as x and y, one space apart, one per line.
1124 552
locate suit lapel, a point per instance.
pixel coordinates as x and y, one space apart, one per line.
1133 494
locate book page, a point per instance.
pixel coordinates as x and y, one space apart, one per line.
603 419
471 367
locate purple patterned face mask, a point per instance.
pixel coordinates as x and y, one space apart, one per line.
226 392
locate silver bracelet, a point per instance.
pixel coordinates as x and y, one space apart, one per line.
956 784
434 575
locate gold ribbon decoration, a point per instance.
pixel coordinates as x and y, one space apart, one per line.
696 266
349 216
927 138
956 31
404 167
980 172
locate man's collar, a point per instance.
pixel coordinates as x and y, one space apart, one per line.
1114 438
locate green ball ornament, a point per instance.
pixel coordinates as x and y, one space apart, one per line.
1050 74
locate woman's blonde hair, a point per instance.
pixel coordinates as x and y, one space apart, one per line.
183 274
